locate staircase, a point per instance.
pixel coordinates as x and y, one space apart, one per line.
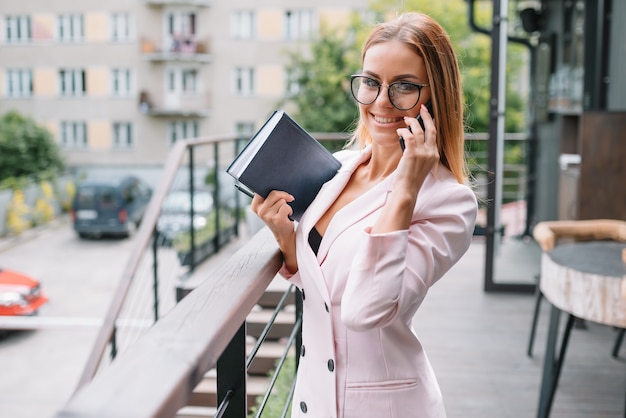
203 400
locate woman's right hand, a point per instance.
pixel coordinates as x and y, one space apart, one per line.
275 211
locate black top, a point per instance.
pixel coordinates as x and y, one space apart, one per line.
314 240
595 257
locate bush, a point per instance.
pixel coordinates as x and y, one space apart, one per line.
18 214
278 399
26 149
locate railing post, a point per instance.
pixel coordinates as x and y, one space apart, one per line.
237 196
231 376
298 302
155 273
217 196
192 230
114 343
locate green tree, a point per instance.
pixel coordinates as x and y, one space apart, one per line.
26 149
474 54
320 80
322 99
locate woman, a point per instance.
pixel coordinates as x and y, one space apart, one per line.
381 232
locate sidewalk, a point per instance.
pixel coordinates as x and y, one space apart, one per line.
11 241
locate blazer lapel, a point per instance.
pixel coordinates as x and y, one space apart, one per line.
360 208
355 211
326 196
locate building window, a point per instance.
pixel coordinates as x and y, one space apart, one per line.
181 28
243 80
120 27
189 80
17 28
182 80
19 83
122 135
244 129
72 82
121 81
70 28
243 24
182 129
299 24
74 135
292 82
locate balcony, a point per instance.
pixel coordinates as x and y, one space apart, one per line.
181 49
198 3
176 105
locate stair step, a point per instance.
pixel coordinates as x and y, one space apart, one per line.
205 393
275 292
196 412
265 359
282 327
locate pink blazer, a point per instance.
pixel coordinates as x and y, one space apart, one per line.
360 356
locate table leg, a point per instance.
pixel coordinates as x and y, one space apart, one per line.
533 327
552 365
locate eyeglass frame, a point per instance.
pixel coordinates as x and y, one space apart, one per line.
380 85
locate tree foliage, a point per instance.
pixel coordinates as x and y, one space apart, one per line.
474 55
26 149
323 102
322 97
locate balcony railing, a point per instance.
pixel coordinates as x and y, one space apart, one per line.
154 372
179 104
198 3
180 49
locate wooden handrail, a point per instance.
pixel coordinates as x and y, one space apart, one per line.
142 241
155 376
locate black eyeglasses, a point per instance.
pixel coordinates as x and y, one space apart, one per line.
403 95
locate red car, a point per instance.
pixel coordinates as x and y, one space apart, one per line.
19 294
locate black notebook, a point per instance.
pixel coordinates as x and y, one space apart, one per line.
283 156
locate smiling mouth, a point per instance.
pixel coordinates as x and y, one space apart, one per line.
387 120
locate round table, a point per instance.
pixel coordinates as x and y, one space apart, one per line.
583 279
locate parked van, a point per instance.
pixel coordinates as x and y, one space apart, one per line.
113 207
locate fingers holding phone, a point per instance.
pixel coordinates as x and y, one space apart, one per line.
420 120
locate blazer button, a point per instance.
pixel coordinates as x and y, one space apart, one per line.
302 350
326 307
331 365
303 407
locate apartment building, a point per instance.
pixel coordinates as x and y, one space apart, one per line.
118 82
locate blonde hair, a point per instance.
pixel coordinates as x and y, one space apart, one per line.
431 42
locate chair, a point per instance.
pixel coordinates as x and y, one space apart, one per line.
549 233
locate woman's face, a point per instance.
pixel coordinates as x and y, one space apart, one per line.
386 63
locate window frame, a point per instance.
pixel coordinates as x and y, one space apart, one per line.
77 138
76 78
70 27
121 82
244 81
243 24
22 77
299 24
121 26
122 135
182 129
18 29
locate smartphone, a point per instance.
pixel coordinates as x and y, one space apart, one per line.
429 106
